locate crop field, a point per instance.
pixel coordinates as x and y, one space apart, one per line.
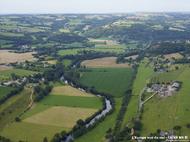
4 68
65 110
104 63
69 91
4 91
68 116
98 133
6 74
163 113
30 132
143 75
72 101
7 57
173 55
114 81
103 41
52 62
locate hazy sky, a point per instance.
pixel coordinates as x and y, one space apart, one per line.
92 6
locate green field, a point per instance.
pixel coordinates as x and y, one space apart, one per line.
168 112
11 34
12 107
36 122
97 134
114 49
4 91
143 75
114 81
29 132
6 75
72 101
37 109
67 62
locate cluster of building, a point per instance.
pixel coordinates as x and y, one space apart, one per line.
164 90
14 83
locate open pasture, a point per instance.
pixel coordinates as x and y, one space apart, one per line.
106 62
6 57
143 76
72 101
69 91
114 81
30 132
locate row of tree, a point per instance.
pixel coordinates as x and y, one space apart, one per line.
13 92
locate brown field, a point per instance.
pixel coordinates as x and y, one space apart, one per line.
132 57
7 57
173 55
69 91
104 63
4 68
60 116
103 41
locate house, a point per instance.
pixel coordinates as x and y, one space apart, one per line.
176 85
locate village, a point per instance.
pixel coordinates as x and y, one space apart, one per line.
164 89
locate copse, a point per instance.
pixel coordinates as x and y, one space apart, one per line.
41 92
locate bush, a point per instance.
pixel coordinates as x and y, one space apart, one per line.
188 125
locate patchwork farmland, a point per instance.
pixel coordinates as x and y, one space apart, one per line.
65 104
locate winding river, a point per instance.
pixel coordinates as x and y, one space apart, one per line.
103 113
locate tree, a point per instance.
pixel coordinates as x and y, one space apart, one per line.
188 125
177 128
17 119
45 139
14 76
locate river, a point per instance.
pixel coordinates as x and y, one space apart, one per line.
103 113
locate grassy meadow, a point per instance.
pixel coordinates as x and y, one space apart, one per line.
114 81
72 101
144 73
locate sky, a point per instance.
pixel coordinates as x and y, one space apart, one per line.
92 6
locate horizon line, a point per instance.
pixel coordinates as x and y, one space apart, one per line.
93 13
